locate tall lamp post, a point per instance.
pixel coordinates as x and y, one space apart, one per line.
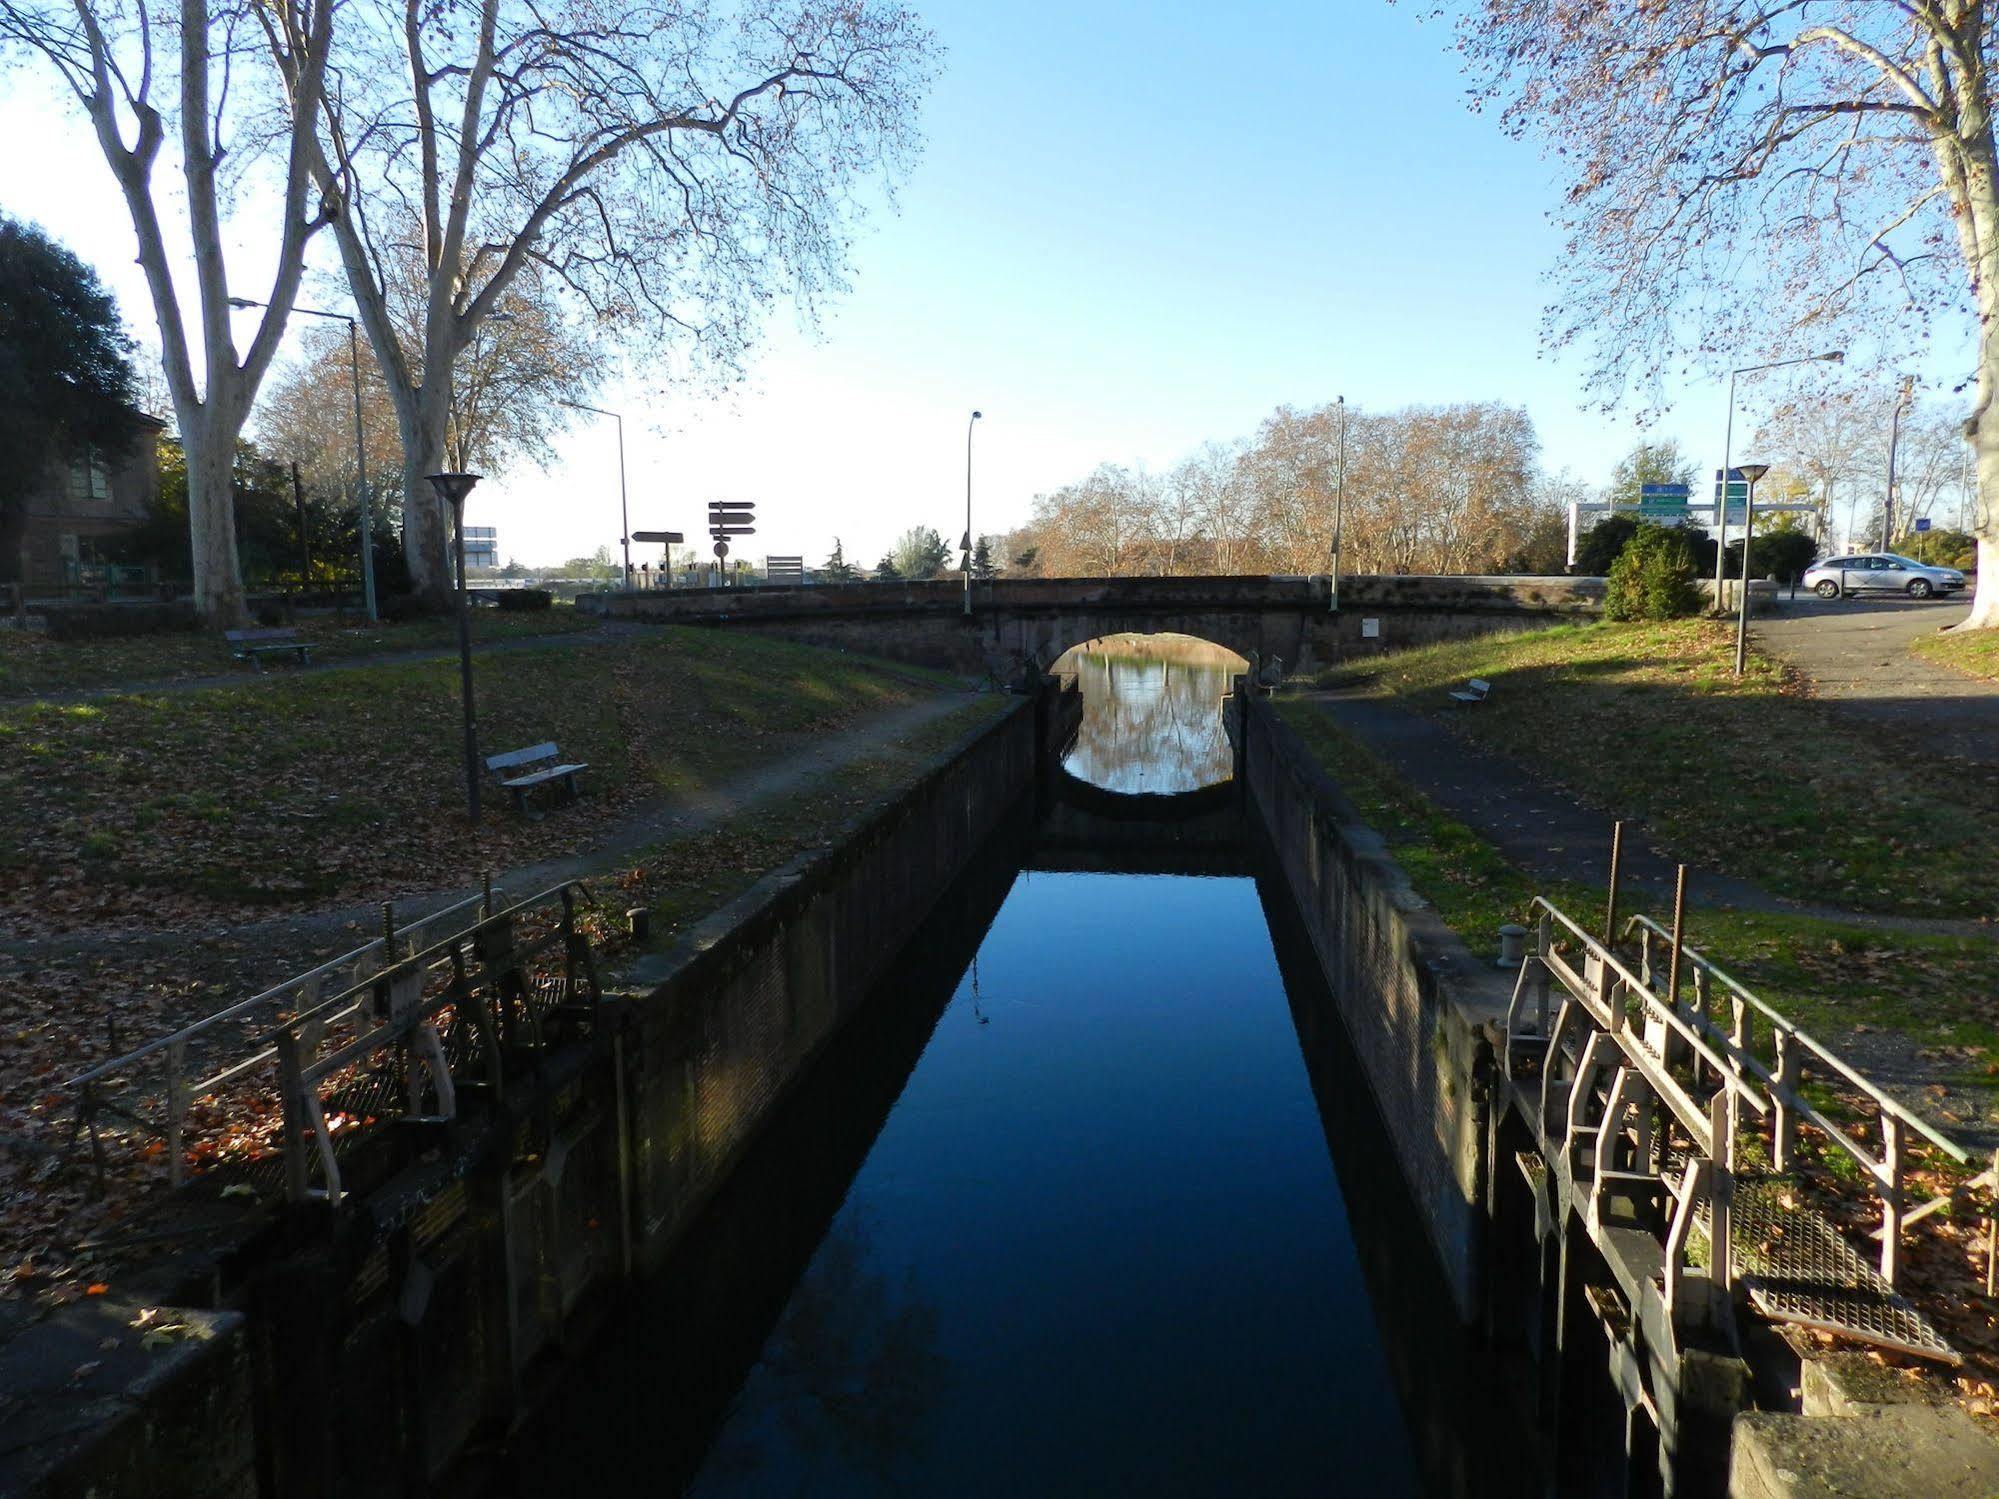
360 449
624 511
1339 509
1752 472
1894 445
452 489
1835 356
968 510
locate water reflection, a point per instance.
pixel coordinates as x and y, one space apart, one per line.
1151 712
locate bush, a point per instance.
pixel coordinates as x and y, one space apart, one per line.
1653 577
401 608
1782 555
1602 544
526 600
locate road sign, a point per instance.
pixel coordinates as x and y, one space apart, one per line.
1664 491
718 532
721 548
1922 523
785 569
669 538
731 509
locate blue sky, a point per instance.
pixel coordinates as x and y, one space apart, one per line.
1134 228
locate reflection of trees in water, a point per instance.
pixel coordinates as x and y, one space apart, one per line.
1152 713
848 1375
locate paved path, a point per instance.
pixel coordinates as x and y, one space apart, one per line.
1547 831
1856 651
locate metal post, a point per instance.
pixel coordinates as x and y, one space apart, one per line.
1742 604
465 670
624 528
1721 504
1610 906
1894 443
1679 930
969 425
361 480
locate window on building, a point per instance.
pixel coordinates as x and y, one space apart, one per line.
89 479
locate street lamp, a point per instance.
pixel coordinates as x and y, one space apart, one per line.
1339 509
1894 444
968 510
360 451
624 511
1752 472
452 489
1836 356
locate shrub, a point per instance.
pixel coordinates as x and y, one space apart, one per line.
1602 544
400 608
1653 577
526 600
105 621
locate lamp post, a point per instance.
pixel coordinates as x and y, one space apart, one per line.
1339 508
1835 356
968 510
1752 472
452 490
624 512
1894 443
360 449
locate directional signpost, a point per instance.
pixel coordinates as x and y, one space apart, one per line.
728 518
667 539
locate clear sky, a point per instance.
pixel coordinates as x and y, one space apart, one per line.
1135 227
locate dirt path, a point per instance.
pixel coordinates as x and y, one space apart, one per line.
1547 831
1856 652
646 825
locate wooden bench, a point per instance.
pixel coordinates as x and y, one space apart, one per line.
534 754
254 645
1473 691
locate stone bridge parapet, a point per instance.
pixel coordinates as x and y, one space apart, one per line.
1012 618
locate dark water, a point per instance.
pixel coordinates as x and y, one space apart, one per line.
1063 1210
1151 714
1098 1246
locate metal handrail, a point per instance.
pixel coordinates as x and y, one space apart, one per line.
1884 1100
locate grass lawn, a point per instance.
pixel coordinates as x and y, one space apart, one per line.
1840 982
30 662
153 809
1976 654
1647 721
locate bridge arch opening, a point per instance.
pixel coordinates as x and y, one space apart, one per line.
1152 712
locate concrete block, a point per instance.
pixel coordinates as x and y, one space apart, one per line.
1885 1452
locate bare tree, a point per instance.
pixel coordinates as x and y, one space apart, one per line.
674 169
1749 174
196 75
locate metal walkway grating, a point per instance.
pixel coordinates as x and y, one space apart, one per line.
1797 1268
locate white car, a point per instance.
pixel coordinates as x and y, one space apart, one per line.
1880 572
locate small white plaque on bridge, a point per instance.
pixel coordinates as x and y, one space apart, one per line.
1370 629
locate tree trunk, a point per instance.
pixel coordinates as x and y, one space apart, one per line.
1984 434
211 514
426 526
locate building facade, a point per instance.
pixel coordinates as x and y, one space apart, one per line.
80 508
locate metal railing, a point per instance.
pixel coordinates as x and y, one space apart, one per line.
1792 1050
1707 1076
465 1002
188 1068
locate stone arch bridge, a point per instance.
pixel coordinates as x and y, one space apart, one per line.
1013 619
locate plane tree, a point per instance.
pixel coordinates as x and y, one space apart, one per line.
1759 178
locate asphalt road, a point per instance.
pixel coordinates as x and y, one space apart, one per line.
1857 652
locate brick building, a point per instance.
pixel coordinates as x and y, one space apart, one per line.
79 508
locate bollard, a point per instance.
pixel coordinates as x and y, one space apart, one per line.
1512 945
640 920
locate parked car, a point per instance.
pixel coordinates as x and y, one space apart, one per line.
1880 572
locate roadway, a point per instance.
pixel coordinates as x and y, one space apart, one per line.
1857 654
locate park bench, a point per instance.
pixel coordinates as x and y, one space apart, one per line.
254 645
1473 691
520 785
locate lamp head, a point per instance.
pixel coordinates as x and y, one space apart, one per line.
1753 472
243 304
977 414
1837 356
452 488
